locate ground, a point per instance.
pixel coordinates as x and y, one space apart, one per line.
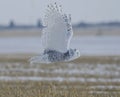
91 83
87 76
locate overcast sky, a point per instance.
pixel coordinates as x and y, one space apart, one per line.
28 11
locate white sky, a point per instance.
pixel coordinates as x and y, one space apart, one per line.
28 11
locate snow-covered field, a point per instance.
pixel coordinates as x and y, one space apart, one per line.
103 45
97 75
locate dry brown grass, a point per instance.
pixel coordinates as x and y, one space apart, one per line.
20 33
83 59
99 59
53 89
97 31
109 31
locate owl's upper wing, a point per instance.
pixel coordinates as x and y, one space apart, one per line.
58 33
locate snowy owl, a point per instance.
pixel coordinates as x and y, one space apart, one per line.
56 37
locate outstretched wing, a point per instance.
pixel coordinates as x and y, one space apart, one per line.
58 33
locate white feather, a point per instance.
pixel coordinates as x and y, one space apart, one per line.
58 33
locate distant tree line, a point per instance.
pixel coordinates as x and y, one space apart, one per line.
39 24
12 25
102 24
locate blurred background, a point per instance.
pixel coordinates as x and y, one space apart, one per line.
96 25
